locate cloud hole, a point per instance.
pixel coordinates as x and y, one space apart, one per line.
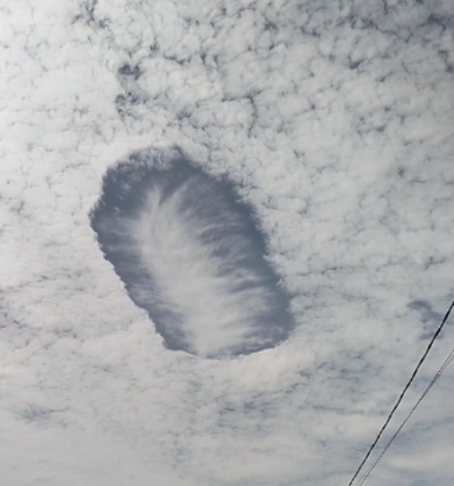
190 253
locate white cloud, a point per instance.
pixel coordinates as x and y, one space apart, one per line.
335 121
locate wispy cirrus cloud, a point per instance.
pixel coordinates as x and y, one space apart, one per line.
190 253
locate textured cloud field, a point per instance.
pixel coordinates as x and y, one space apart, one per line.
332 123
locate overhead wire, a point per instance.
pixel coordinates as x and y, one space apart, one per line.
442 369
402 394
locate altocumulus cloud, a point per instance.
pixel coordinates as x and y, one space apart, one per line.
190 254
333 121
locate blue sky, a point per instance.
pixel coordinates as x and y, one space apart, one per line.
333 120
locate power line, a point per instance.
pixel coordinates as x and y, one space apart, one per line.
442 369
402 394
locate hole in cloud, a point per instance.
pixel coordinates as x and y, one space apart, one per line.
190 253
430 319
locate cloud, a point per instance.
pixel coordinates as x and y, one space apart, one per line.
333 123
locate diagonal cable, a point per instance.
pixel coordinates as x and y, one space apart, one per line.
402 394
442 369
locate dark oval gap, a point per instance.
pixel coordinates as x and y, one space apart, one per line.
190 253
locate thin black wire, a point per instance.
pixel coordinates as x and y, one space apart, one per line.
403 393
442 369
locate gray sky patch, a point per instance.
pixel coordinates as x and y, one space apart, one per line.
191 254
429 318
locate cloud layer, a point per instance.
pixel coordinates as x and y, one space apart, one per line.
334 121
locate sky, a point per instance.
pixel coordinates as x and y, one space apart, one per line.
324 132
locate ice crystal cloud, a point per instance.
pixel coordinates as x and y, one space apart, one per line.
191 254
